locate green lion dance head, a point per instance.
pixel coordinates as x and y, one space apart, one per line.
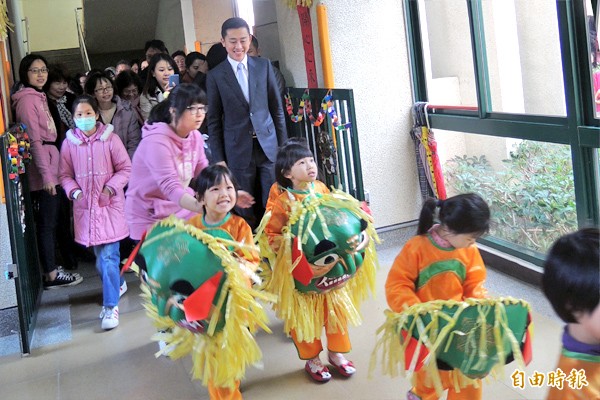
329 242
183 274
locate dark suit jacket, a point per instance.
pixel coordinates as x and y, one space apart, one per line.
231 120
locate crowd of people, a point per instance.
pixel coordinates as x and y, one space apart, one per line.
114 151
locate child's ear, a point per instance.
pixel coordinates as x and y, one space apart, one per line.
286 174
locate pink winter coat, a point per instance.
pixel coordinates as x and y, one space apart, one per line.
163 166
89 164
31 108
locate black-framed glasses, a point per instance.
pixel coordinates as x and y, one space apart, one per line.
104 89
194 110
37 71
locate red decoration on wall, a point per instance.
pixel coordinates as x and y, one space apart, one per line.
309 50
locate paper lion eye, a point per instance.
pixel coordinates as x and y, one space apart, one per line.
326 260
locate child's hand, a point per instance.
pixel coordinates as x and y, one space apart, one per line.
245 199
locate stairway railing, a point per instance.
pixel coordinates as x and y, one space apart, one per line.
81 37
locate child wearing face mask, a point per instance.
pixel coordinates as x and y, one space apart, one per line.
94 168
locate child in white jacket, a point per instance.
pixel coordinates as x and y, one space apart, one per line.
94 169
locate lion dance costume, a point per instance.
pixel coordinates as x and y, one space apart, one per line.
197 293
444 332
321 252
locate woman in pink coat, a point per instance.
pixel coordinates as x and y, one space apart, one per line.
94 169
31 108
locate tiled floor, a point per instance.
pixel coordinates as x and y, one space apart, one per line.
120 364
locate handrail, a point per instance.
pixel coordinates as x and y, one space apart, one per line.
80 36
26 35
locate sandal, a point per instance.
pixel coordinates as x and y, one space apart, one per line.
345 368
317 370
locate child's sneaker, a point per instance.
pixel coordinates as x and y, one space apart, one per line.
110 317
63 279
317 370
344 367
122 289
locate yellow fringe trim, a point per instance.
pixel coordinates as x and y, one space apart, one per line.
392 347
220 357
295 3
305 313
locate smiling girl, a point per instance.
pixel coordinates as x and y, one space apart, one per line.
160 68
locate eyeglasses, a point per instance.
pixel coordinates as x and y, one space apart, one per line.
38 71
104 90
194 110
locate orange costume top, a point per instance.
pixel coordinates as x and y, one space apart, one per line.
278 204
426 270
580 364
232 227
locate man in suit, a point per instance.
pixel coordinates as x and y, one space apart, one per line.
245 117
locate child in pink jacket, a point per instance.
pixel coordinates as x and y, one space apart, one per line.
94 169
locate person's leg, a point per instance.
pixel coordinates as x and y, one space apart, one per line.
246 179
467 393
339 344
423 388
107 264
310 351
64 233
46 207
221 393
265 179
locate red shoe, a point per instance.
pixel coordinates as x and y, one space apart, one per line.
345 367
317 370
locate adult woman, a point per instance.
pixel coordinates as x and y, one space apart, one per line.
169 156
135 66
194 63
129 87
115 111
160 68
31 108
59 103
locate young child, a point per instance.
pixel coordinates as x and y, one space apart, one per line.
571 282
441 263
296 175
94 169
216 190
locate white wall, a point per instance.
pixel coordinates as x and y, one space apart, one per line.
369 55
209 16
169 25
52 24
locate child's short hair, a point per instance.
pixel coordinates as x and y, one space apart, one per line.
464 213
212 176
291 151
571 279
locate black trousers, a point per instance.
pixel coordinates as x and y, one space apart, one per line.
256 179
45 212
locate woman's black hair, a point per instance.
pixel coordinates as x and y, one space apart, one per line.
193 56
126 79
56 73
216 54
86 99
571 279
180 98
151 83
292 150
75 85
26 64
465 213
211 176
93 79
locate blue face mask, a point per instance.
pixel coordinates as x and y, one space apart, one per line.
85 123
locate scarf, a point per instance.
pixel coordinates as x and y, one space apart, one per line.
65 115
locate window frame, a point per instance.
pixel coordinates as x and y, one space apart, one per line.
579 129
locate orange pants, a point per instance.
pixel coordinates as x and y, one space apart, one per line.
220 393
428 393
336 342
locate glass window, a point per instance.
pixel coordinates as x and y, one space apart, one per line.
528 184
594 51
523 57
447 52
